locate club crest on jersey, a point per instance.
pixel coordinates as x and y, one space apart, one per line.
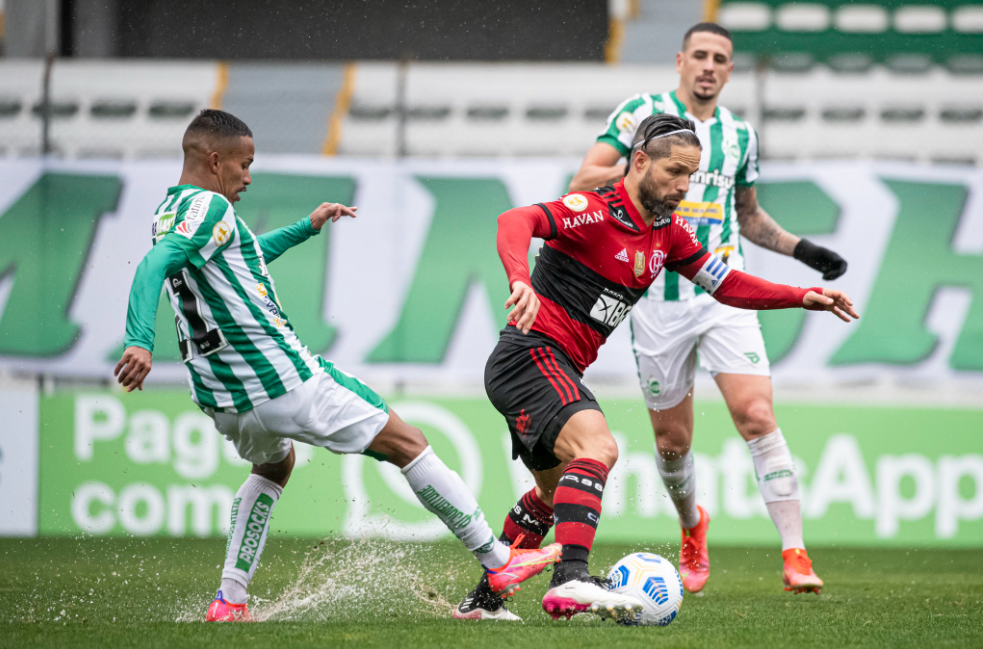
583 219
623 255
639 263
656 262
575 202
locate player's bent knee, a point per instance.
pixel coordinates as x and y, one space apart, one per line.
607 452
673 441
671 448
399 443
278 472
757 419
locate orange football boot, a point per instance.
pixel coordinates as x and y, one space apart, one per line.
798 575
522 565
694 555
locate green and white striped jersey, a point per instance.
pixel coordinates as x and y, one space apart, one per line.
730 159
239 347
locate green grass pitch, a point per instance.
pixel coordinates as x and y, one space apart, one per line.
152 593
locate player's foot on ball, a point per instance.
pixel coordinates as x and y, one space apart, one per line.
694 555
482 604
222 611
588 594
798 574
522 565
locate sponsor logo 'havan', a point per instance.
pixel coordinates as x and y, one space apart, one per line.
583 219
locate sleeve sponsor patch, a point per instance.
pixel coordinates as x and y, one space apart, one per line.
195 215
711 275
575 202
626 123
221 232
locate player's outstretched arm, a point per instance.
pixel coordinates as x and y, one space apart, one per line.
276 242
516 228
758 227
598 169
746 291
836 301
164 259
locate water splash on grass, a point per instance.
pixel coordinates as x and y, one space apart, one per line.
341 579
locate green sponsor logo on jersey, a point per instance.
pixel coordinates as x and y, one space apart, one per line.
753 357
164 224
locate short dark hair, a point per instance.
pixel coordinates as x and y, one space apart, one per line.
210 122
713 28
658 134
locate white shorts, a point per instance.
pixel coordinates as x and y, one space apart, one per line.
331 409
667 335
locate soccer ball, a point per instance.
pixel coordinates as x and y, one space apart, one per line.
653 581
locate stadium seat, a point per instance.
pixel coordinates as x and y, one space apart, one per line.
20 89
905 33
847 107
123 110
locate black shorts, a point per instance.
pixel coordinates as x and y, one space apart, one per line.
537 389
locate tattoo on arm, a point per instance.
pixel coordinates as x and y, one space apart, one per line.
758 226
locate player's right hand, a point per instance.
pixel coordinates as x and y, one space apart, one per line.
831 300
333 211
133 368
526 305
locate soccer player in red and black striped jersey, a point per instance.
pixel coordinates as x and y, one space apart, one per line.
603 250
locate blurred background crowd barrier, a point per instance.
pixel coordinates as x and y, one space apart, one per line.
434 118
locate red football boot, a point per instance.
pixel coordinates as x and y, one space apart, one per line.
222 611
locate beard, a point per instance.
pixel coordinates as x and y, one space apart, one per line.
649 197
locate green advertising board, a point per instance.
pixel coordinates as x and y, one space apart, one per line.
151 464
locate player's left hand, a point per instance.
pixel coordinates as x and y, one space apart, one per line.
133 368
333 211
827 262
836 301
526 305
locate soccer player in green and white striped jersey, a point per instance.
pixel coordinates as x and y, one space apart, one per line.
675 317
249 372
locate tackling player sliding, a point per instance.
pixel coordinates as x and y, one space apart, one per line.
675 318
249 372
603 250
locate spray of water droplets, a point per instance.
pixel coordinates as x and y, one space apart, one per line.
340 579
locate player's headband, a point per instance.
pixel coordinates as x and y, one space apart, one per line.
642 143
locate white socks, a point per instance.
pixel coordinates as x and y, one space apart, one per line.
679 476
779 486
443 492
251 511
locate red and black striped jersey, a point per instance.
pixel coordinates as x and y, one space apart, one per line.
599 259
